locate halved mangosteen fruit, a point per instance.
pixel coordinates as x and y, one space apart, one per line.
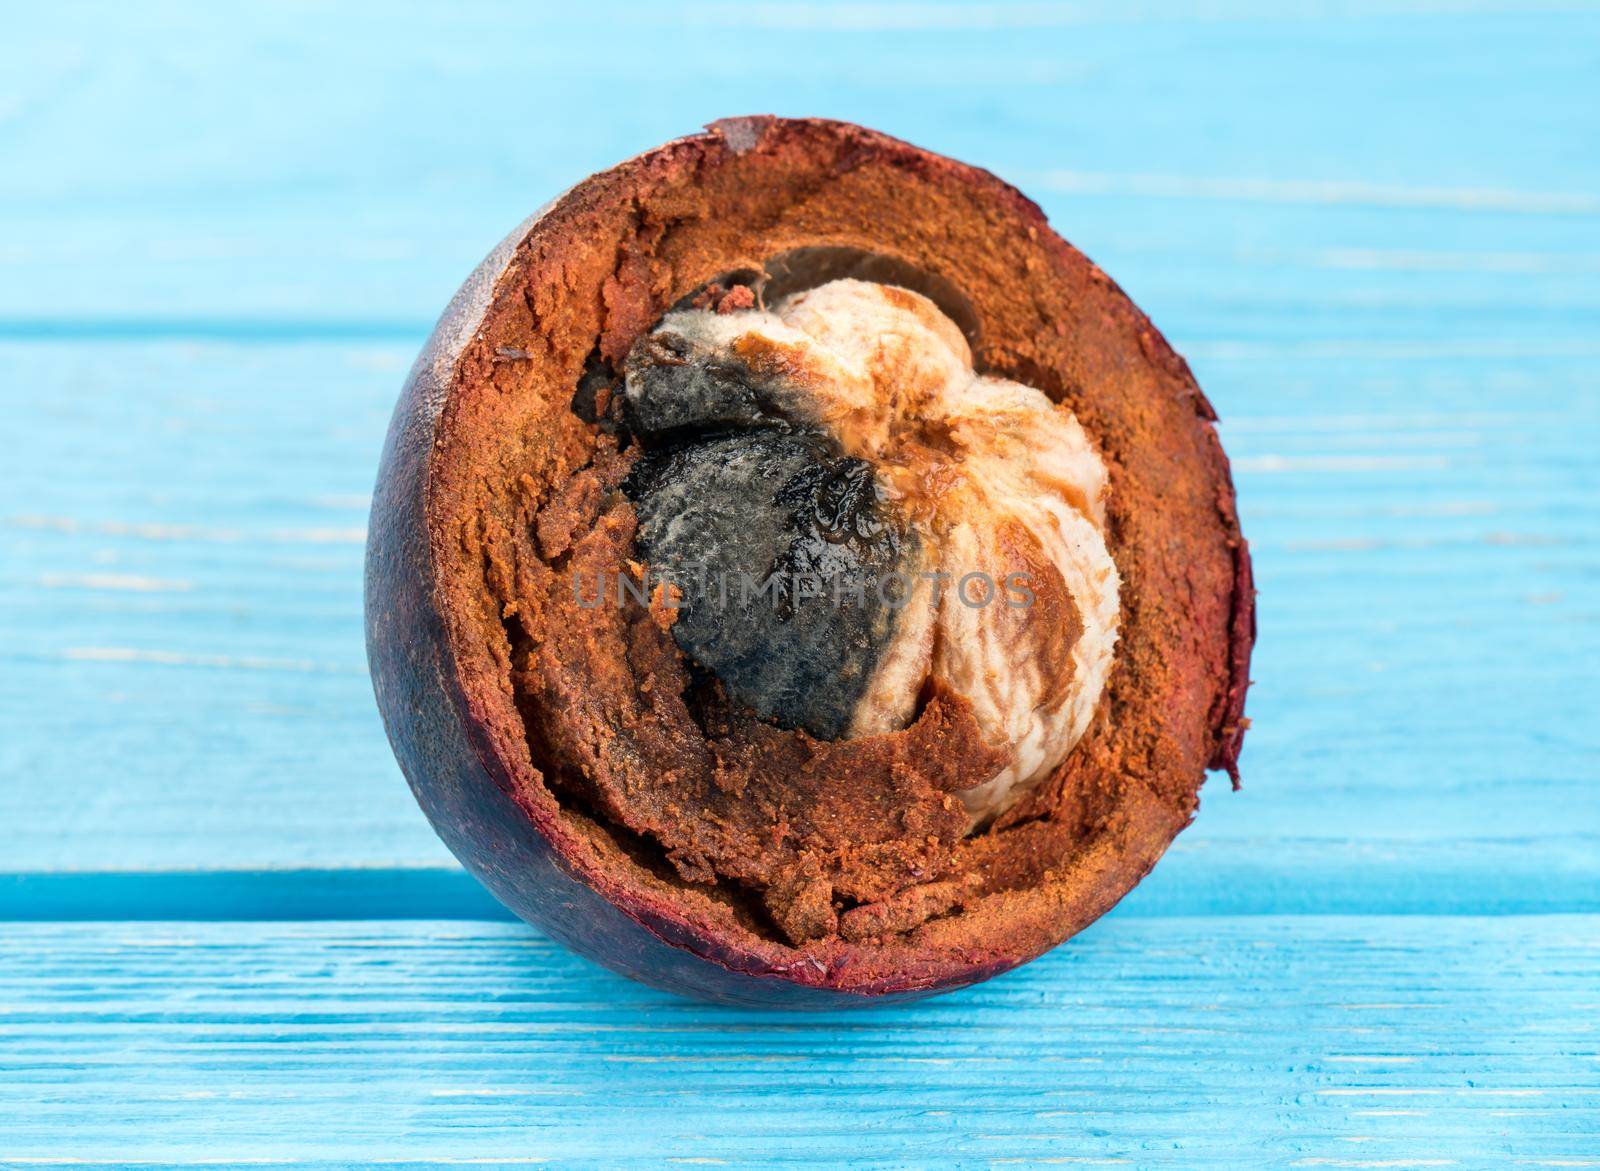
798 577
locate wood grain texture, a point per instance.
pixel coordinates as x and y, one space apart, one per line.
182 627
283 169
1192 1042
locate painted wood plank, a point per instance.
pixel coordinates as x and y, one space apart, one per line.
1199 876
216 274
1352 1042
185 687
169 163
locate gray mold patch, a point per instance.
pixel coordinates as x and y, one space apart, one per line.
789 560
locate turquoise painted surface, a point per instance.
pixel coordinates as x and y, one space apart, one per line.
1373 228
1218 1042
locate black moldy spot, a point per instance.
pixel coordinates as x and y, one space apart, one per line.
787 555
740 492
679 386
779 545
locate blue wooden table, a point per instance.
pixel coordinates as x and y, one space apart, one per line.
1372 227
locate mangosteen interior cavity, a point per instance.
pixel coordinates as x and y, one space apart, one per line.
576 759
